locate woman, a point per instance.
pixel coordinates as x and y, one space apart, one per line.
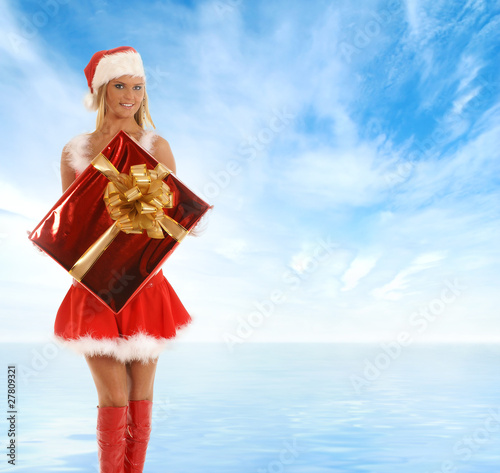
121 349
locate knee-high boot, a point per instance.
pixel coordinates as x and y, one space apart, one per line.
137 434
111 425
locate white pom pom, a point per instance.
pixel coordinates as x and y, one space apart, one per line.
90 102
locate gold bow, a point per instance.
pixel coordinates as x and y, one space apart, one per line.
135 201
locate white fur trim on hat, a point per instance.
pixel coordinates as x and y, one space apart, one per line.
90 101
126 63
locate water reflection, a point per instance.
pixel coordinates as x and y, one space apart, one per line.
277 407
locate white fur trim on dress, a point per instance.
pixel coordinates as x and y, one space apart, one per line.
147 140
126 63
78 149
139 347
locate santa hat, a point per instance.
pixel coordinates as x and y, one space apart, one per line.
110 64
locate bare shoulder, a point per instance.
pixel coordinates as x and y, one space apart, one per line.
163 153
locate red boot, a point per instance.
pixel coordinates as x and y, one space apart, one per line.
111 425
137 435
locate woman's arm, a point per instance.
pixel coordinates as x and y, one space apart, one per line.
163 153
67 172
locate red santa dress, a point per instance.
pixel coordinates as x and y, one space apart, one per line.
147 323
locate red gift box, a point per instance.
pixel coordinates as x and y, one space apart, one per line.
152 211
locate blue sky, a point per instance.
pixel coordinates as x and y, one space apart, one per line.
351 154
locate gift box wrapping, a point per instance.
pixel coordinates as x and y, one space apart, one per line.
79 218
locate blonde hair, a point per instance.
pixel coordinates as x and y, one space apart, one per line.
142 116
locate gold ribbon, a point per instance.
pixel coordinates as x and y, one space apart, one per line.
135 201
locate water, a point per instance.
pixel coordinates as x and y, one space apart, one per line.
274 408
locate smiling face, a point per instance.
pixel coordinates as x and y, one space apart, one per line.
124 96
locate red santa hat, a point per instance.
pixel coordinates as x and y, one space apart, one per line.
110 64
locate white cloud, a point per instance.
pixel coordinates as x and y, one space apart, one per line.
402 282
232 248
222 77
359 268
412 15
333 177
467 71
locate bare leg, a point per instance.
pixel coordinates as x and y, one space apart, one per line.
110 378
141 378
116 382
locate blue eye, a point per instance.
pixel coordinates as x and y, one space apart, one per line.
122 86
